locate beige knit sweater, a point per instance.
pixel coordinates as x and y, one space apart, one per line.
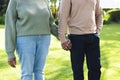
81 17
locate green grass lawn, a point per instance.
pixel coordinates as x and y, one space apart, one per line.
58 65
2 26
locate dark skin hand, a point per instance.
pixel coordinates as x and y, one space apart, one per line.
12 62
66 45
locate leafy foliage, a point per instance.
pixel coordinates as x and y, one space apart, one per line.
54 6
115 16
3 6
111 15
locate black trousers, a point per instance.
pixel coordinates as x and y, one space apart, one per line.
85 45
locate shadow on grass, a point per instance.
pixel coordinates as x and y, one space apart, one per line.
104 62
63 71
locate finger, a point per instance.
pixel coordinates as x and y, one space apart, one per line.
69 44
65 48
69 47
13 66
12 63
15 61
65 45
68 41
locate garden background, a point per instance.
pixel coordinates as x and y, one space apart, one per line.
58 65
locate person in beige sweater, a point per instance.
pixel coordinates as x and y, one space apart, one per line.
83 20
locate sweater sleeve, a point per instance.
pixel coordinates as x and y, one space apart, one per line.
53 26
63 19
98 16
10 29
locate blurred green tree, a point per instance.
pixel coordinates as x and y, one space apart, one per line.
3 6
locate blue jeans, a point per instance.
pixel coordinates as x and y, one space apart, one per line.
32 52
85 45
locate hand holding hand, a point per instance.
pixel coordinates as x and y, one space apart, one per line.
66 45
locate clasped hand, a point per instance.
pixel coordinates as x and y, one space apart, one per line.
66 45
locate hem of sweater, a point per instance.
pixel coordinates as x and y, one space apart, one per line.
34 34
82 33
63 38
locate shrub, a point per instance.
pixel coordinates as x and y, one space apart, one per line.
106 17
2 19
111 15
115 16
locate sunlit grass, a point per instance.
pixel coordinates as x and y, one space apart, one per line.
2 26
58 65
110 52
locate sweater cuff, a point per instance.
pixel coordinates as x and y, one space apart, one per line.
63 39
98 31
11 55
